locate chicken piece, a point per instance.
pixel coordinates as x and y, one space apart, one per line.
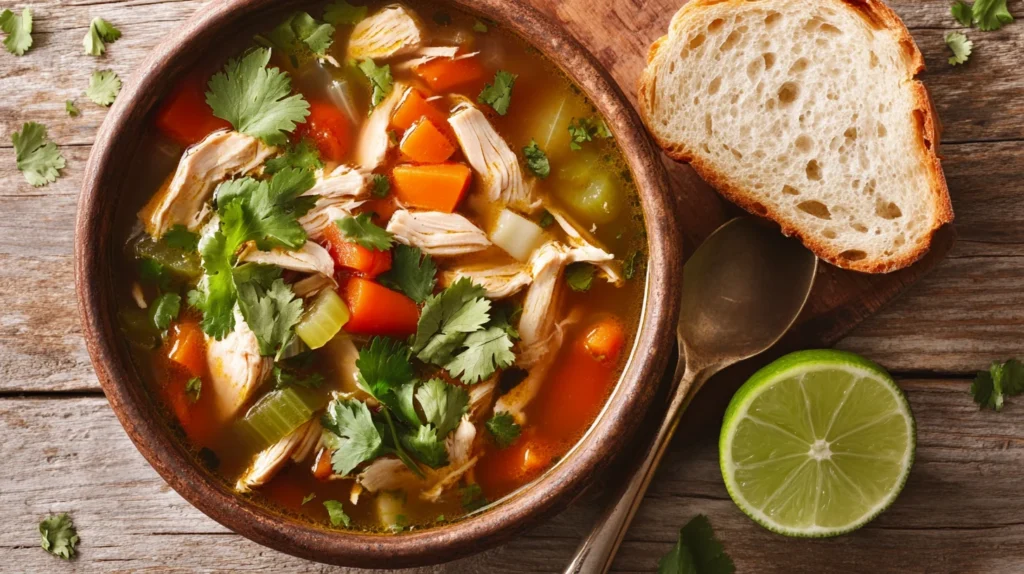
338 192
312 285
296 447
460 459
541 304
393 31
437 234
236 368
310 258
480 396
388 473
373 142
586 248
492 159
426 54
499 282
183 199
516 400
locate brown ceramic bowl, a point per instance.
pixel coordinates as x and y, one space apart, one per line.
107 185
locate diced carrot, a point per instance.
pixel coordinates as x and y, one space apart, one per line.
367 262
415 107
436 187
185 117
329 128
501 471
443 74
424 143
322 468
188 347
605 340
377 310
573 395
382 209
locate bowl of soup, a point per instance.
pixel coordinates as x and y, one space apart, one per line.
376 284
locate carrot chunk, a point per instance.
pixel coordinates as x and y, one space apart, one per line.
188 347
435 187
443 74
574 393
367 262
414 108
501 471
382 209
322 468
605 340
185 117
377 310
329 128
424 143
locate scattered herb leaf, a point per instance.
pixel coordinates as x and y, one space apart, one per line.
71 109
104 85
341 12
962 13
631 265
479 26
308 498
38 159
303 155
99 35
300 37
381 186
271 313
412 272
546 219
353 437
580 276
537 160
336 512
586 129
165 309
503 429
960 46
443 404
380 80
498 95
18 30
473 497
486 352
362 231
990 388
59 536
425 445
990 15
193 388
697 551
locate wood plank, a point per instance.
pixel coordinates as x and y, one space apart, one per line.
72 455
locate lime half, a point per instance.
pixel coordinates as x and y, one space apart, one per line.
817 444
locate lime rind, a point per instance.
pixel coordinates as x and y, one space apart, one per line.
793 489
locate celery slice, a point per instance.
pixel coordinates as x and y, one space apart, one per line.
277 415
322 321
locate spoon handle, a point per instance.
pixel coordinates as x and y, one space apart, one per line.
597 551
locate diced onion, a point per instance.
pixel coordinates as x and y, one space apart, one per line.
517 235
322 321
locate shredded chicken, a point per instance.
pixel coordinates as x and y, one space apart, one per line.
426 54
480 397
296 447
437 233
387 473
489 155
540 357
393 31
137 295
312 285
541 303
236 368
310 258
586 249
499 282
373 142
338 192
183 199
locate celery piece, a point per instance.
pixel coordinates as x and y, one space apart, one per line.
322 321
277 415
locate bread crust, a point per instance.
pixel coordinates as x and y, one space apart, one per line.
880 16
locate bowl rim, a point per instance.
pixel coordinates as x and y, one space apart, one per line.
94 249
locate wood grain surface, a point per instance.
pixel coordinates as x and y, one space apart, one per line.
63 450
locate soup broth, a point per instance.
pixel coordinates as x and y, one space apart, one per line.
389 268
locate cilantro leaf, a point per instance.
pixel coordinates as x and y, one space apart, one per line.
962 13
59 536
384 366
297 372
504 316
380 80
580 276
254 99
443 404
271 313
18 30
193 388
960 46
341 12
104 85
447 319
381 186
309 497
697 551
486 351
426 447
303 155
499 94
632 263
353 437
71 109
38 159
586 129
412 272
361 231
990 14
479 26
473 497
504 429
179 237
546 219
300 37
165 309
215 294
990 388
537 160
270 209
334 510
100 33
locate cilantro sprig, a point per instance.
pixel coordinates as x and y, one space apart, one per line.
340 12
300 37
412 272
380 78
498 94
537 160
990 388
697 551
503 429
104 85
987 15
583 130
303 155
99 35
18 30
58 536
38 158
960 46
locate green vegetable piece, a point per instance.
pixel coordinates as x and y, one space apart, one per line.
172 257
99 35
335 511
324 318
426 447
303 155
443 405
308 498
255 99
537 160
193 388
412 272
341 12
104 85
546 219
473 498
362 231
960 46
498 95
503 429
586 129
277 415
353 437
990 388
380 80
990 15
300 37
71 109
38 159
18 30
580 276
381 186
962 13
697 551
165 309
59 536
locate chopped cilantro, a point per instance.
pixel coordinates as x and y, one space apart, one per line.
546 219
443 404
1001 380
425 445
486 352
164 310
384 366
336 513
361 231
18 30
37 158
990 15
255 99
104 85
499 94
380 80
193 388
308 498
537 160
341 12
271 313
59 536
71 109
473 497
960 46
300 37
381 186
412 272
631 265
353 437
586 129
580 276
503 429
303 155
697 551
99 35
179 237
479 26
962 13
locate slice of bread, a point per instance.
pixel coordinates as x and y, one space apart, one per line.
806 112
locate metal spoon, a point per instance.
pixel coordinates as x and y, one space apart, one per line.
742 290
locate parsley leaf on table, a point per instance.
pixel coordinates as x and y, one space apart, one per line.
18 30
960 46
334 510
380 80
71 109
499 94
537 160
353 436
962 13
38 159
341 12
486 351
363 232
504 429
255 99
381 186
579 276
990 15
303 155
697 551
1001 380
426 447
165 309
193 388
443 404
104 85
59 536
271 313
300 37
412 272
99 35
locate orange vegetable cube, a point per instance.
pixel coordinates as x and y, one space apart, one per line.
185 117
377 310
605 340
443 74
367 262
435 187
424 143
188 347
414 108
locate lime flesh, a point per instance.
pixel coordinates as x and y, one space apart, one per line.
817 444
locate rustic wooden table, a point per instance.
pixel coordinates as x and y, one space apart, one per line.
61 449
